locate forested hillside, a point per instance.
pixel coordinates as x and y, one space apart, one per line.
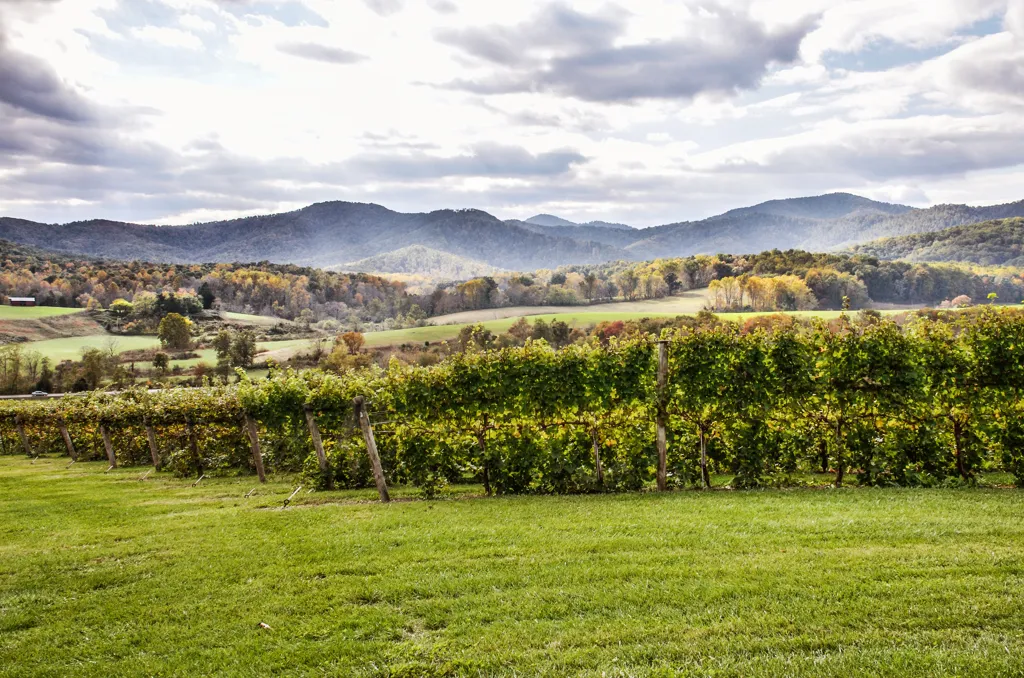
324 234
938 218
772 280
425 262
344 235
285 291
997 242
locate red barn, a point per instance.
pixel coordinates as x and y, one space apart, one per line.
22 301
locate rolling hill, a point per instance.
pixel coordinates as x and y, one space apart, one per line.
990 243
551 220
323 235
344 234
424 261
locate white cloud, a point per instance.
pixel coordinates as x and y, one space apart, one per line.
268 105
196 23
169 37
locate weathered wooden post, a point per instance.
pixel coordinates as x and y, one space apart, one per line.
662 415
108 446
154 451
318 444
597 458
20 425
371 448
193 447
63 425
254 443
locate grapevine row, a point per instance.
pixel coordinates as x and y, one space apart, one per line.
934 401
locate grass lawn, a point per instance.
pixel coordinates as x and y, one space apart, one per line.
34 312
70 348
279 350
102 575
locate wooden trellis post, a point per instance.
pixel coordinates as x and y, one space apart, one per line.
597 458
254 443
63 425
24 438
662 415
154 451
371 449
193 447
318 444
108 446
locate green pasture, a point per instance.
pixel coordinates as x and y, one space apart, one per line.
70 348
434 333
107 575
34 312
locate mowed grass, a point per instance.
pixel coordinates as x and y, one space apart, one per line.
103 575
690 301
34 312
71 348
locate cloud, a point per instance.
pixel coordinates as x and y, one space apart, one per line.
483 160
31 86
318 52
881 150
385 7
569 53
288 12
168 37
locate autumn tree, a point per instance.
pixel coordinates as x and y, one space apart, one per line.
353 341
175 331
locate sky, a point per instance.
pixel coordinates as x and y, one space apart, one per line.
643 112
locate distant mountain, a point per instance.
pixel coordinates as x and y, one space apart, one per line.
814 223
324 234
613 237
997 242
552 221
334 234
549 220
937 218
423 261
820 207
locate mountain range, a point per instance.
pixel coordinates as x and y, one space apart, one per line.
348 235
999 242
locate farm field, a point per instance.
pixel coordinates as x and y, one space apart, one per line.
105 575
70 348
690 301
579 318
249 319
34 312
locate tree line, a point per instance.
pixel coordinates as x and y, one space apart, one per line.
137 293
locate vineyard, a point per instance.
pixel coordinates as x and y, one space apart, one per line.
934 401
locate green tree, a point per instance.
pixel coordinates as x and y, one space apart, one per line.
161 361
243 349
95 367
175 331
45 382
121 309
222 346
